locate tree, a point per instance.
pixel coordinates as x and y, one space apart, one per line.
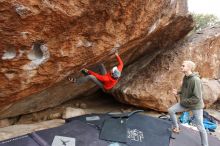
204 20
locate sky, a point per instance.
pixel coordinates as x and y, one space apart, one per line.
205 7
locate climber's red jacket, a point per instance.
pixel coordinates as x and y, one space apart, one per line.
107 80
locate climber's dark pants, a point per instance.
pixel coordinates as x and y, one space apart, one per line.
93 78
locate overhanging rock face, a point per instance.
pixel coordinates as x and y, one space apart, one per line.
42 42
150 85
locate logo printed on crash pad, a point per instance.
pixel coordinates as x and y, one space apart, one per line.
135 135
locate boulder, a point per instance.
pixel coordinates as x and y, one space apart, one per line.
43 42
211 91
148 83
72 112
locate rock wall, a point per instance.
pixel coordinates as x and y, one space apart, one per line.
149 83
44 41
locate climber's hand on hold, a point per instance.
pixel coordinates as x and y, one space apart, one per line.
114 51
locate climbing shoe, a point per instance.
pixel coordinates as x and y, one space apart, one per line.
84 71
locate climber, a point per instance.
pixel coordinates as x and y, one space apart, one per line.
106 80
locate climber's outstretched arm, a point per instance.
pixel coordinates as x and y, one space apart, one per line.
121 64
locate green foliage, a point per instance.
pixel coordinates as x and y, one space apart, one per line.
204 20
